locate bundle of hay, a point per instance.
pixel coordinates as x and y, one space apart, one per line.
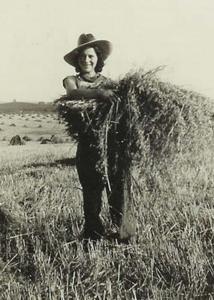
163 126
16 140
164 113
27 138
56 139
45 141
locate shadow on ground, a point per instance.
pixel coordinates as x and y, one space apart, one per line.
63 162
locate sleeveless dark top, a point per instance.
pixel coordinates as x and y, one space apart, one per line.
83 83
79 113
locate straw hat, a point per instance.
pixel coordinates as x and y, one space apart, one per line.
88 40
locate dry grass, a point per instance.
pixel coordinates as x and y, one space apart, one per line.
171 256
41 217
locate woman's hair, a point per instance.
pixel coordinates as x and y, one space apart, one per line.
100 61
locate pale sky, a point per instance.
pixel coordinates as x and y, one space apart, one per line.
36 34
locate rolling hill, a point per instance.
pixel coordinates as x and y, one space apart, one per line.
16 107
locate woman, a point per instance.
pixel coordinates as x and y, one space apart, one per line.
88 59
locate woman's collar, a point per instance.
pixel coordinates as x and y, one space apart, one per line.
89 79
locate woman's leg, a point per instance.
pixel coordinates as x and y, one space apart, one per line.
90 171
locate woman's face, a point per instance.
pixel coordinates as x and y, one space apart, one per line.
87 60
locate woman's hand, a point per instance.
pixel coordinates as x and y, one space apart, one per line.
106 95
61 99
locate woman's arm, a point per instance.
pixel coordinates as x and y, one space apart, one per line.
85 93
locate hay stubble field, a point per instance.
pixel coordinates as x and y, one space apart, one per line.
41 257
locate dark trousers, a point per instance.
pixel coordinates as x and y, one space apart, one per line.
93 164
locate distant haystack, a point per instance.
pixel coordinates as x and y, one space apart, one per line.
56 140
52 140
16 140
26 138
46 141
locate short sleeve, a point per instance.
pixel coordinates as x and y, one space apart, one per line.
69 80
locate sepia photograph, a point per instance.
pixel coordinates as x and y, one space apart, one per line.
106 150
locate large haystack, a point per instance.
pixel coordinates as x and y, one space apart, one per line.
168 131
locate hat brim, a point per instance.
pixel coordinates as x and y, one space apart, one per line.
103 45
